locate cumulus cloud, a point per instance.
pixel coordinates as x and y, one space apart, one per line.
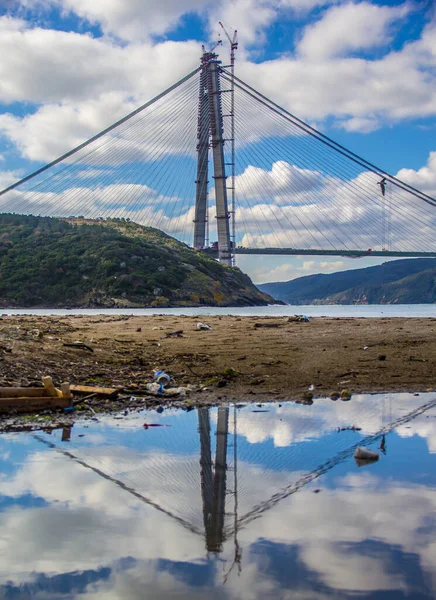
350 27
250 17
98 79
126 19
140 203
283 179
361 93
424 178
7 178
300 209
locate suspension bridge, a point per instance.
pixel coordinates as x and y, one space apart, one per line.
228 171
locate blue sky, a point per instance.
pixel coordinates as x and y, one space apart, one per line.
363 72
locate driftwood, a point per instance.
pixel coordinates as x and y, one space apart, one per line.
268 325
178 333
80 345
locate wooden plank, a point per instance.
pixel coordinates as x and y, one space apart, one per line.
23 392
88 389
31 404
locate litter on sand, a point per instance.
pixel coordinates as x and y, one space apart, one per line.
157 389
204 326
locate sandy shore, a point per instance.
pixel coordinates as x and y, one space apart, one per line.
240 358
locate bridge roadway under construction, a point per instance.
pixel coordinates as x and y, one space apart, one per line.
317 252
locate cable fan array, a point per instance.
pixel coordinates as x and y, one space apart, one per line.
298 189
295 187
142 168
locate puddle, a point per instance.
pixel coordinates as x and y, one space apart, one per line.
225 503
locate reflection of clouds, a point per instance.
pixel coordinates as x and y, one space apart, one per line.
91 523
295 423
328 527
425 428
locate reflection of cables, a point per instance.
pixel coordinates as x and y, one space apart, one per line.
120 484
261 508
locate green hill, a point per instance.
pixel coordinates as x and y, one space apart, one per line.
406 281
81 263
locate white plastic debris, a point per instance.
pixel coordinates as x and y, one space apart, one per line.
204 326
157 390
365 454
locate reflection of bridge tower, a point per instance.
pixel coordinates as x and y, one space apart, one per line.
213 485
210 126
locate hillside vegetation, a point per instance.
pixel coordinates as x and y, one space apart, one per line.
409 281
76 262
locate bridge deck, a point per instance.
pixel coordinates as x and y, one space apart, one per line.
314 252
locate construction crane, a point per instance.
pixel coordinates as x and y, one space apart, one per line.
233 45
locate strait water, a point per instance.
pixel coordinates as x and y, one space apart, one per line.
231 503
355 310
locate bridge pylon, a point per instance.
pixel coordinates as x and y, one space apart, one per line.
210 135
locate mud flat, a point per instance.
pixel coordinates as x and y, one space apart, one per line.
240 358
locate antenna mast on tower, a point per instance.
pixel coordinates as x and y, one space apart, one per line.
233 47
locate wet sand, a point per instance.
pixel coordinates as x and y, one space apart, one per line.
240 358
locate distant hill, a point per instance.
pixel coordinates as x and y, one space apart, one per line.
406 281
82 263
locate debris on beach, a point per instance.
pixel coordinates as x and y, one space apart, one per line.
161 377
96 390
31 399
156 389
80 345
175 334
298 319
203 326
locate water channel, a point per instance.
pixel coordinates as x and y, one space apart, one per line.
336 310
240 501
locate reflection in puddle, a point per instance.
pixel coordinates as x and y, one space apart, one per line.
225 503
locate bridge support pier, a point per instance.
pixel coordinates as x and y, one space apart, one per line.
203 132
210 126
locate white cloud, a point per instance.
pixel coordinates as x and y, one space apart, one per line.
368 93
97 80
350 27
283 182
361 124
249 17
424 178
127 19
7 178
